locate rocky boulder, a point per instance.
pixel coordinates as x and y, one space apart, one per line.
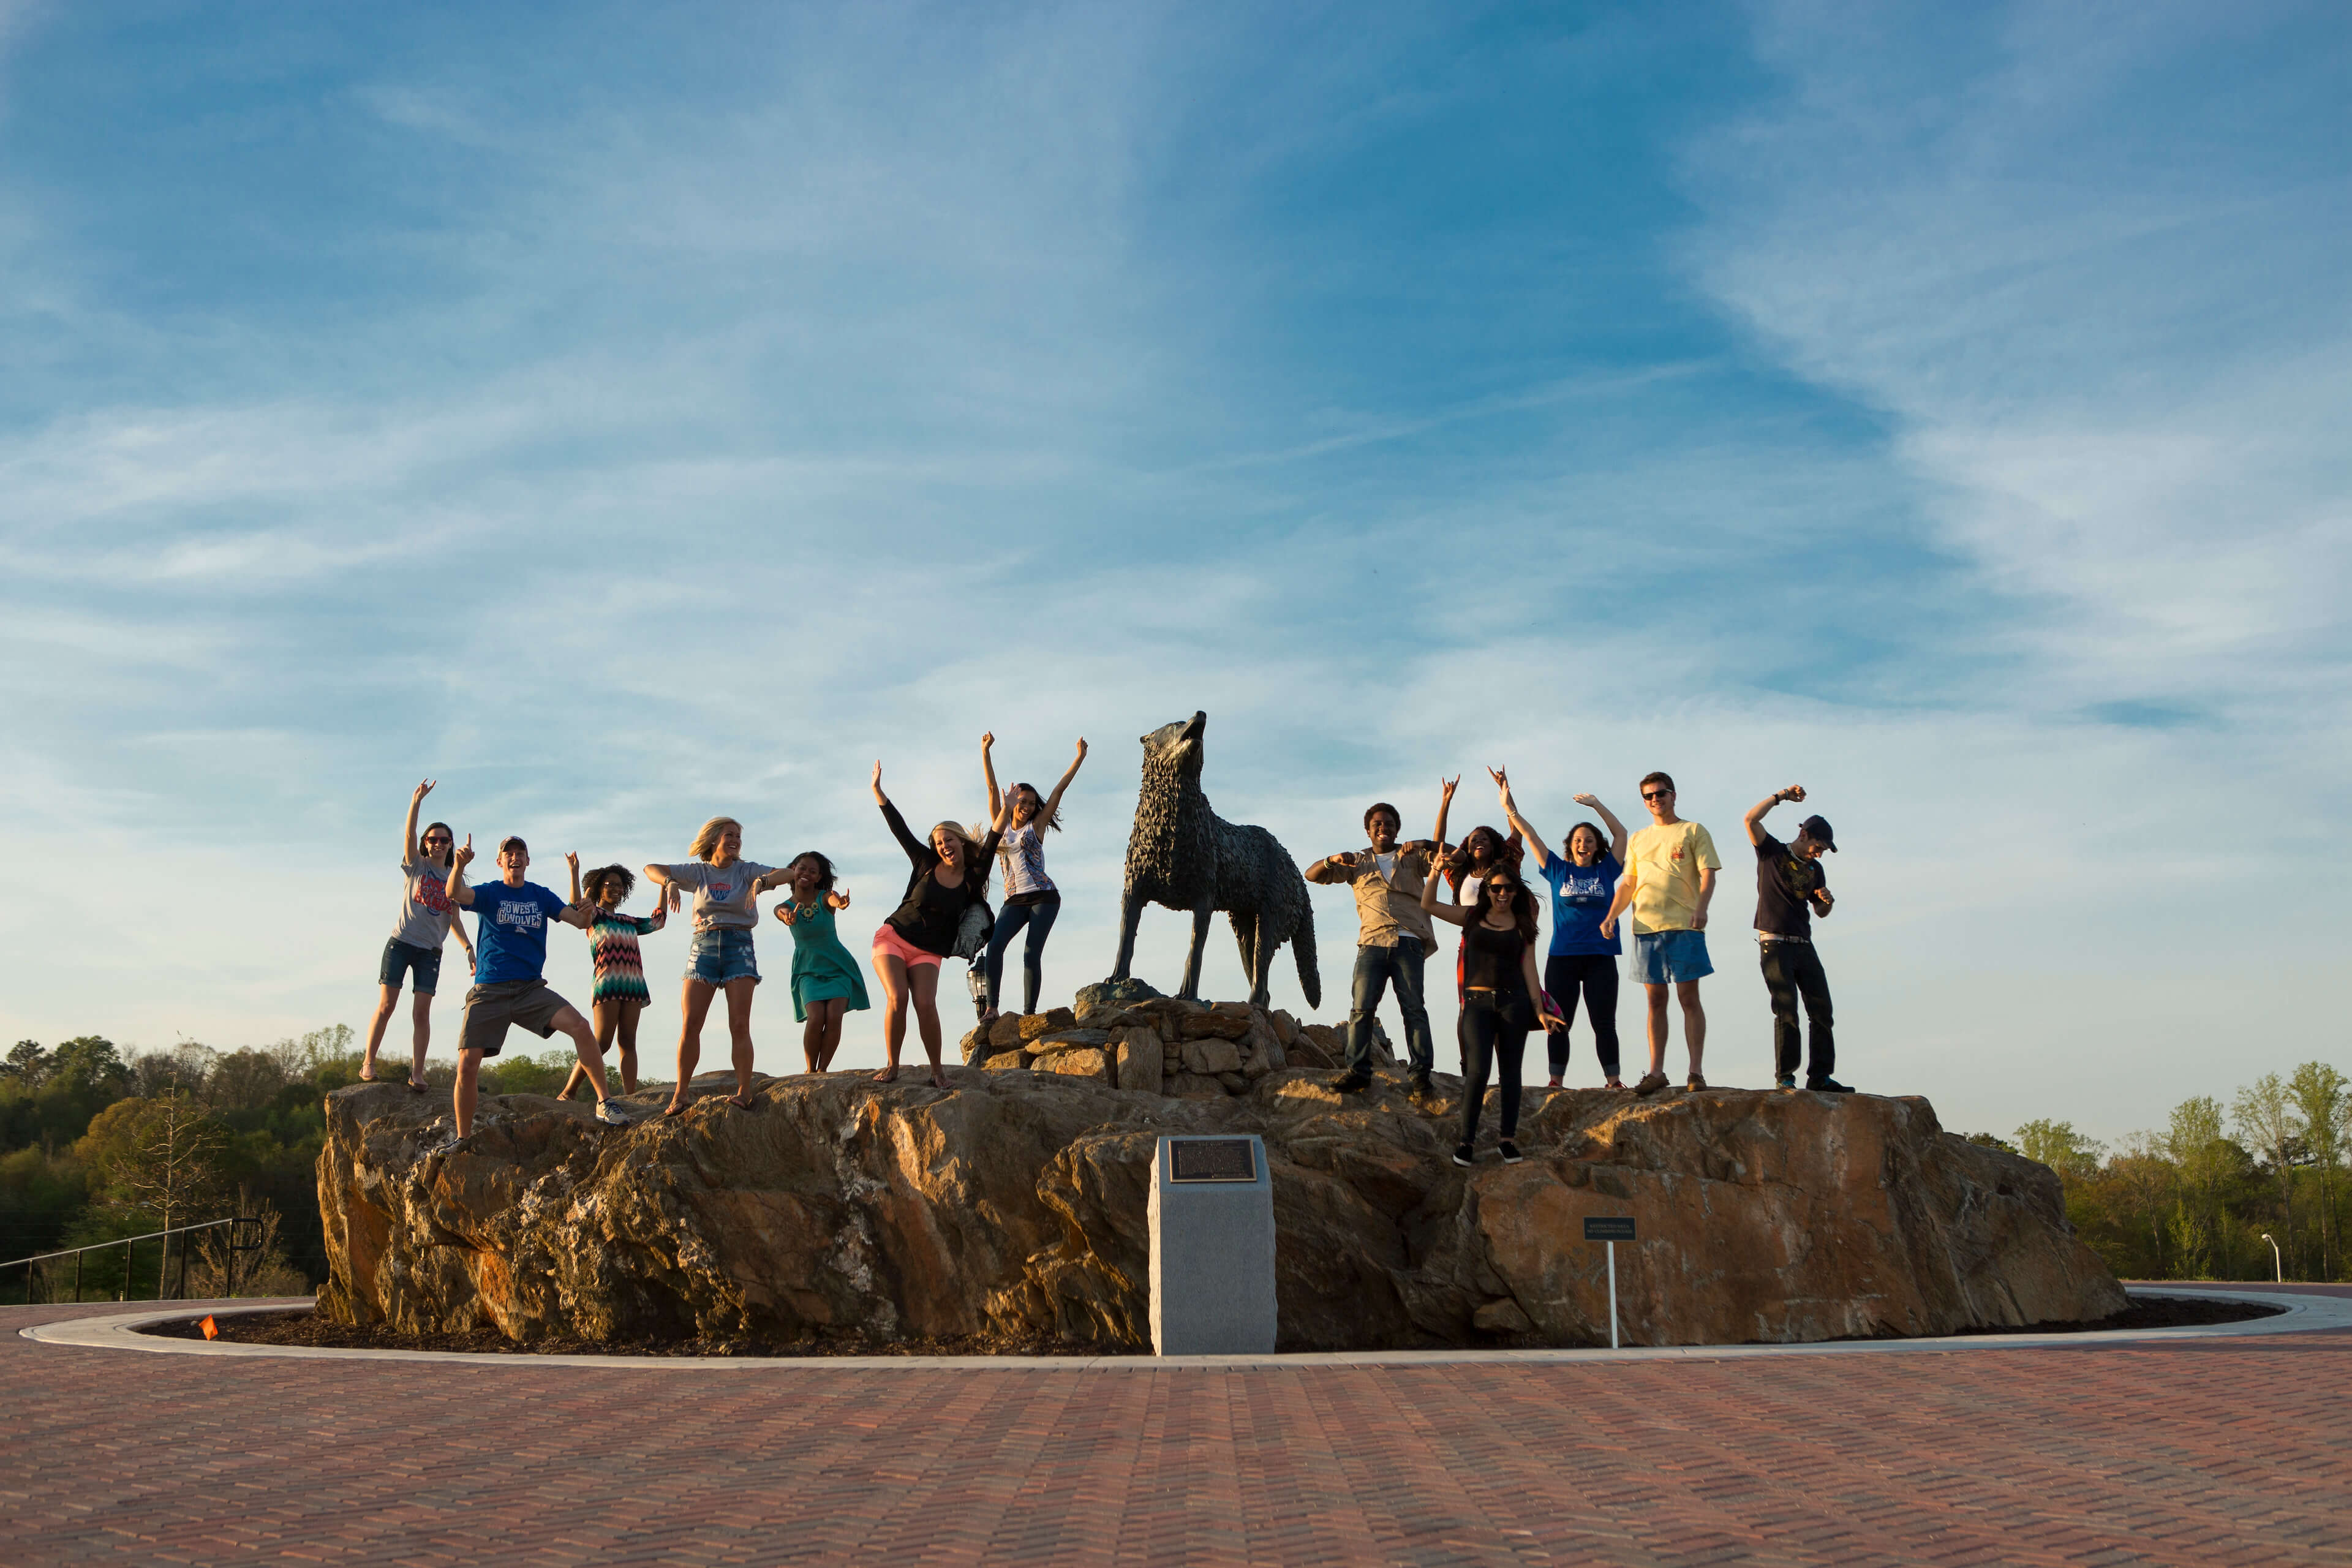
1014 1203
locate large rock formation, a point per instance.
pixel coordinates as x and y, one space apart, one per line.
1015 1204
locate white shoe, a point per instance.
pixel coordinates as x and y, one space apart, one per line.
609 1113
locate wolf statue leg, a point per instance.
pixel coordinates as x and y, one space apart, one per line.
1191 988
1260 962
1247 937
1131 913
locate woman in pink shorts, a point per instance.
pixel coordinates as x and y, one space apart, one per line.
950 874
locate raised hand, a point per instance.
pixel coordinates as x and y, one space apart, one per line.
1590 803
840 896
465 853
1502 781
1793 793
880 798
987 739
422 790
571 858
1082 748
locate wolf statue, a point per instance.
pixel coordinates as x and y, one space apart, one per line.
1182 854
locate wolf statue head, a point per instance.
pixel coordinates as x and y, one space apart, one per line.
1176 748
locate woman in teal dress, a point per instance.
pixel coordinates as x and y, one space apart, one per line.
827 982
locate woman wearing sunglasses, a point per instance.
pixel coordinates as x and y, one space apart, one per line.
1500 986
426 918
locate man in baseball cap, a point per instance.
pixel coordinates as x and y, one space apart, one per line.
1791 888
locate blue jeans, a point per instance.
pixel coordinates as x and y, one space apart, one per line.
1376 968
1039 918
722 954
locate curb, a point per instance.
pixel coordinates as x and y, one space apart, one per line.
120 1332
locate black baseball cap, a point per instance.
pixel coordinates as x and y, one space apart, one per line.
1817 828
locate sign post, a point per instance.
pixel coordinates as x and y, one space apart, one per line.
1212 1224
1612 1229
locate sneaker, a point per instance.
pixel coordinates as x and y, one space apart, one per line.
1465 1156
1417 1085
609 1113
1352 1082
1695 1084
1511 1155
1651 1083
1828 1086
1786 1080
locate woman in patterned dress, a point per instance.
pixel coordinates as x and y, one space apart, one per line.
618 994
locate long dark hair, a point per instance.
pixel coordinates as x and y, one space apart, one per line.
1044 818
1507 854
448 855
1523 903
823 869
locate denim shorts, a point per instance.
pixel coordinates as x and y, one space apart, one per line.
403 960
1670 957
720 955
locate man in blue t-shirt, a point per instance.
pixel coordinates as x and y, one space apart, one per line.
510 947
1583 879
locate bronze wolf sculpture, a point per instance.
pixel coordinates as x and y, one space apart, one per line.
1183 855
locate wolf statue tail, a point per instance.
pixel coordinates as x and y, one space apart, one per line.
1302 948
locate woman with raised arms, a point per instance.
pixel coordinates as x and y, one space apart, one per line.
949 874
825 980
720 955
1499 987
426 920
1030 898
1582 879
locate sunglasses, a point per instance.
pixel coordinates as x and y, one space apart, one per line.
1501 889
436 838
1655 793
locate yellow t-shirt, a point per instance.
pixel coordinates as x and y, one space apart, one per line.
1664 864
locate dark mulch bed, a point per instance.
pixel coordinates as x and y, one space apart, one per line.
301 1326
2153 1313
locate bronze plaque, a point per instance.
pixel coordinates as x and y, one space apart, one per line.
1211 1160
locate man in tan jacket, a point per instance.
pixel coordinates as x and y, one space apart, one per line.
1395 940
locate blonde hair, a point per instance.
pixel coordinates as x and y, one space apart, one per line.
708 839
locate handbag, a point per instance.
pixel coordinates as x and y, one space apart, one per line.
972 931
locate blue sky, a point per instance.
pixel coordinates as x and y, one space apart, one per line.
627 416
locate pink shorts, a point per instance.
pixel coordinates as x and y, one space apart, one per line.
886 940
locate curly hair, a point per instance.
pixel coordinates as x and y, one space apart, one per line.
593 884
823 869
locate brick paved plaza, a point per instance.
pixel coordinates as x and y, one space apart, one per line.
2209 1450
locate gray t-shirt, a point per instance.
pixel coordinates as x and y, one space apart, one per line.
425 907
722 895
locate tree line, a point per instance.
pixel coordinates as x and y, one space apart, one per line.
2209 1196
98 1144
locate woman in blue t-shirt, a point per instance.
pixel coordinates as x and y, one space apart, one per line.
1582 880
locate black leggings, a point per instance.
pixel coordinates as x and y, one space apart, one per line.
1495 1025
1039 918
1596 973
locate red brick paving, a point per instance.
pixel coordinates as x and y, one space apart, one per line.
2211 1451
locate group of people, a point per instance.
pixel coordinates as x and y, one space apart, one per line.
944 913
1664 875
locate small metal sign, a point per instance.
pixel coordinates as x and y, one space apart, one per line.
1211 1160
1609 1227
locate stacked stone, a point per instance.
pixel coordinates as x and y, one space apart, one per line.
1161 1044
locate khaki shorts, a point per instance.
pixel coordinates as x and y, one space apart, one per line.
490 1009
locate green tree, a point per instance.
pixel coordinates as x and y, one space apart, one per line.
2264 1115
2321 1106
2057 1145
27 1064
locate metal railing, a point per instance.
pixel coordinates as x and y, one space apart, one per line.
244 1236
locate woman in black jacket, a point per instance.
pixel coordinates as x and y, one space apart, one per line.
950 874
1499 987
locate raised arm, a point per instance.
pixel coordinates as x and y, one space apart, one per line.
917 850
1617 835
571 858
408 826
1445 788
455 883
1755 813
1054 801
1339 868
1535 840
988 772
1456 914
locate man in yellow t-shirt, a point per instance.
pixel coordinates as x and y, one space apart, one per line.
1669 881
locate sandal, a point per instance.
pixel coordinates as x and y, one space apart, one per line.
739 1104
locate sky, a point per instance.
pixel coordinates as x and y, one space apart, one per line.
625 415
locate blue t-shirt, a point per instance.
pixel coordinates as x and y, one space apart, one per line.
512 943
1579 897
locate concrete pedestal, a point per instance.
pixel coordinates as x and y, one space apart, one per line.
1212 1247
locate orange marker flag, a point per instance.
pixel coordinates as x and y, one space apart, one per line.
211 1329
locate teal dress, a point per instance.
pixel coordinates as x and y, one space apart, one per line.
822 967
